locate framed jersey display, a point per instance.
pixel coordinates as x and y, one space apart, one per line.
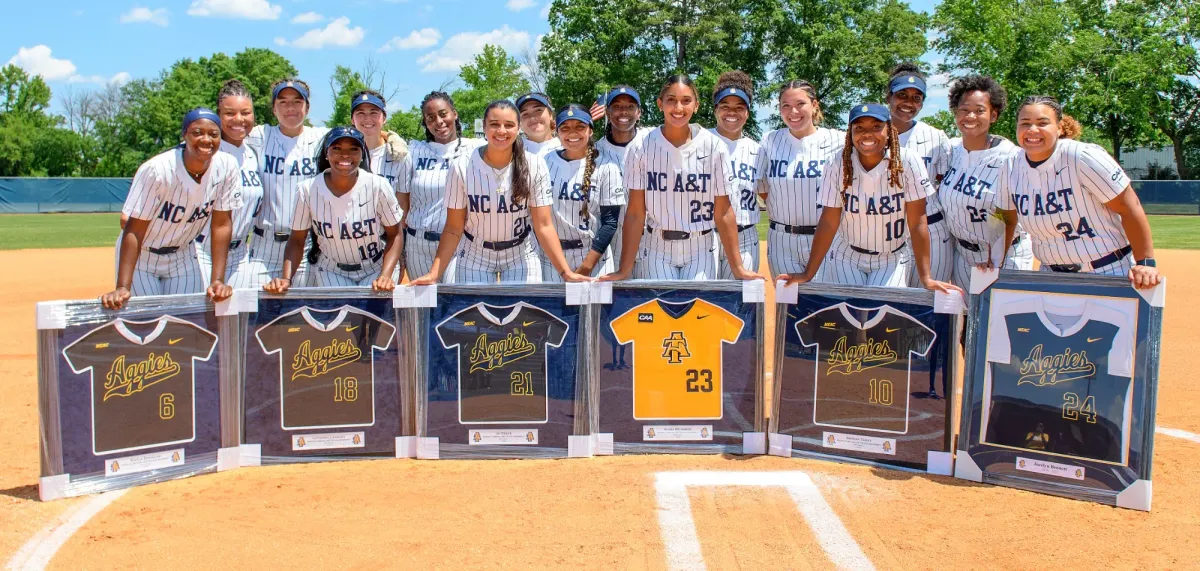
865 374
678 368
1060 381
130 396
322 374
500 372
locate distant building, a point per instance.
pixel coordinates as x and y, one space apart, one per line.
1140 161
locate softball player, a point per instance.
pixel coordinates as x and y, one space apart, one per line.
368 112
236 109
678 195
288 156
421 184
495 197
588 195
1075 200
971 184
731 99
871 194
790 166
354 216
906 98
537 124
172 197
622 107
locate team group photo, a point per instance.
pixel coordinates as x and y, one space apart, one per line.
641 284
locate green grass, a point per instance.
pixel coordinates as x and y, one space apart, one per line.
20 231
47 231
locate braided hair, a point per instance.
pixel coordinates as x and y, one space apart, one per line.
589 167
817 115
1071 129
442 95
232 88
521 184
895 165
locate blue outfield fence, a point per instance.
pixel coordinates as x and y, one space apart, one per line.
33 195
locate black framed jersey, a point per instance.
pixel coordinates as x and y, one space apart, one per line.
326 365
863 365
142 380
502 361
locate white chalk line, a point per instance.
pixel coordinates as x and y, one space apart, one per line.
678 528
1178 433
41 548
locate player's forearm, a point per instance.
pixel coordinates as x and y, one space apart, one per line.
1137 229
919 234
589 263
393 248
292 254
1010 232
827 228
446 247
547 236
220 234
131 246
631 238
727 231
403 200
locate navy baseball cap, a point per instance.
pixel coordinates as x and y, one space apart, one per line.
522 100
368 99
907 81
869 110
731 92
299 87
338 133
198 114
574 112
619 91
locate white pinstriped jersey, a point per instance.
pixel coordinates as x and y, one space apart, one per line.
486 194
423 178
252 193
789 172
872 210
969 192
933 146
543 148
383 165
616 153
284 163
743 167
566 184
177 206
681 183
1061 203
349 227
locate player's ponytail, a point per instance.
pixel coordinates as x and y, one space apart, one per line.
895 164
1070 128
520 167
589 167
817 115
848 162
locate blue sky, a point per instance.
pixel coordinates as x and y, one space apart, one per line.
418 43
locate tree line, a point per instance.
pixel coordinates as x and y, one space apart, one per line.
1128 70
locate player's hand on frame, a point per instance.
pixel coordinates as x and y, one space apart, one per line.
793 279
219 291
278 286
383 283
1144 277
116 298
571 277
425 280
746 275
985 266
944 287
617 276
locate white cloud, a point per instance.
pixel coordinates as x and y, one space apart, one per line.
119 79
418 39
546 11
235 9
38 61
139 14
308 18
460 48
280 41
337 34
518 5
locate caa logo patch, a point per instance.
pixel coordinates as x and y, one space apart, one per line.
645 318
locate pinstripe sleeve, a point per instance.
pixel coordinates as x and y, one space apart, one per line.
386 204
1104 177
916 180
722 180
302 217
1004 195
540 193
229 190
145 194
612 191
256 139
404 177
761 163
941 157
456 187
635 166
831 185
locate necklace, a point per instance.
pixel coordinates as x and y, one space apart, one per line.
195 176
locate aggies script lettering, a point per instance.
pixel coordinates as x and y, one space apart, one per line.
123 380
844 359
309 362
486 356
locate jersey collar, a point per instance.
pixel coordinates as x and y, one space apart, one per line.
514 309
307 314
1079 311
124 331
880 312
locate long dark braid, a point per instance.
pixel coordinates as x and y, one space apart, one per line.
895 165
589 167
520 168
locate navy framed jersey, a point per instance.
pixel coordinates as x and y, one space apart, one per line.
678 368
865 374
1060 380
322 374
500 376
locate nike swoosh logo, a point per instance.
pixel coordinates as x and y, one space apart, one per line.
364 204
1059 171
174 341
892 329
992 166
825 146
922 142
527 323
701 316
349 329
702 158
1093 340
